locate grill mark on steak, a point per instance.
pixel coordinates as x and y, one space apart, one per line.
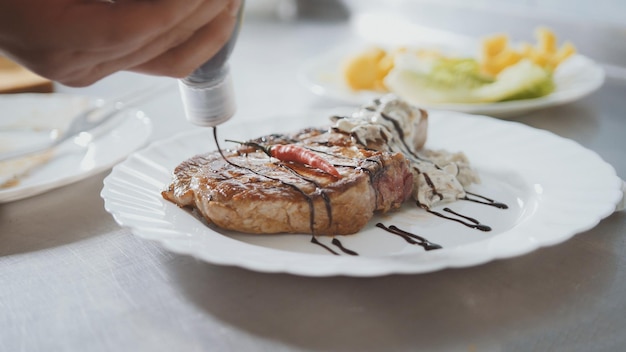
319 190
306 196
359 167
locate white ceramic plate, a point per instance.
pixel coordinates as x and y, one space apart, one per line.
30 118
574 79
554 188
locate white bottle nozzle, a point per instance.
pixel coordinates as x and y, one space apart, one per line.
208 103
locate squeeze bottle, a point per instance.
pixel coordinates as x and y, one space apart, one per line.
207 93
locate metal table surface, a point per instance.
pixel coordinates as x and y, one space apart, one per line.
71 279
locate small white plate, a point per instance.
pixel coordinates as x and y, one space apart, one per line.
30 118
575 78
554 189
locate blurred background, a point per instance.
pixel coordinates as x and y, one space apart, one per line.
597 27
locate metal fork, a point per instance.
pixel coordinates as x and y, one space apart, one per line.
89 120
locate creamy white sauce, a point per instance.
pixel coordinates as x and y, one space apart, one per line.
391 124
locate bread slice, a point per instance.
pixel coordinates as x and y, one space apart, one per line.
17 79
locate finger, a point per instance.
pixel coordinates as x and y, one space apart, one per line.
134 22
106 63
129 25
82 34
181 60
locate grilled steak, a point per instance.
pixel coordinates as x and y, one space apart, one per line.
378 151
251 192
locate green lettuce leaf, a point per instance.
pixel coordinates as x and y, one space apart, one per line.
446 80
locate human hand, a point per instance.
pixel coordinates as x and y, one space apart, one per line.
78 42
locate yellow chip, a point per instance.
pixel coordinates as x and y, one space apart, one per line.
526 49
508 57
362 71
540 58
385 65
496 64
546 40
494 44
566 50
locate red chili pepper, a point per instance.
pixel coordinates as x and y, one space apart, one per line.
296 154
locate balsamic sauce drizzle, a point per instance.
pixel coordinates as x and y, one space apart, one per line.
315 241
431 184
410 237
471 222
485 200
400 131
338 243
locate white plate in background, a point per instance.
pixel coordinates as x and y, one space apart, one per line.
574 79
31 117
